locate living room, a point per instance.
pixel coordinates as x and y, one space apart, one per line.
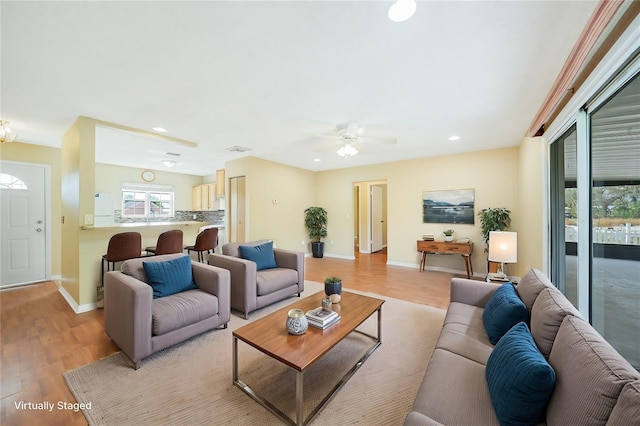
514 175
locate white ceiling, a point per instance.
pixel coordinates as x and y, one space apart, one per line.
271 76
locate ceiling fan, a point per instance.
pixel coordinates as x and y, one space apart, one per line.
349 137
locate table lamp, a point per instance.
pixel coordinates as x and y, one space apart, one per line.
503 248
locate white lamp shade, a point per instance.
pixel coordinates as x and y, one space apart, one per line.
503 246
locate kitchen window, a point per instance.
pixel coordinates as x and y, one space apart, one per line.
147 201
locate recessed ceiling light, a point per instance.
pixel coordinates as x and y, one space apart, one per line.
454 138
160 129
317 160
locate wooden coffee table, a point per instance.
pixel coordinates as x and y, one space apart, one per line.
269 335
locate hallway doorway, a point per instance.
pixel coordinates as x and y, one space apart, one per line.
370 216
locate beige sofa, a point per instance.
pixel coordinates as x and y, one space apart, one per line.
141 325
594 385
253 289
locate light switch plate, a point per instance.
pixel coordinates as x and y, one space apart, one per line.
88 219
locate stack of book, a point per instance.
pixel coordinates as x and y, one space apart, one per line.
322 318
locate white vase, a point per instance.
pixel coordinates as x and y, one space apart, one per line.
448 238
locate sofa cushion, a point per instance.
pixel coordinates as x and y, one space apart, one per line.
519 378
270 280
627 408
547 314
181 309
463 333
503 311
590 375
261 254
170 276
454 391
531 285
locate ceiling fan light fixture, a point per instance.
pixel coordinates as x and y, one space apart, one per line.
6 134
347 150
402 10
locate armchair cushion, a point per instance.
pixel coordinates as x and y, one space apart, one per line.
261 254
271 280
170 276
185 308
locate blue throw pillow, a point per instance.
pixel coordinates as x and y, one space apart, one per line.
262 255
520 380
504 310
170 276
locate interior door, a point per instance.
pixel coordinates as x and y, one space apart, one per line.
23 240
376 218
237 209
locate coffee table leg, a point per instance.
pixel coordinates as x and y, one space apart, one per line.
380 324
235 359
299 398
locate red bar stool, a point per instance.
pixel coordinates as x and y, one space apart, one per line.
169 242
206 241
122 246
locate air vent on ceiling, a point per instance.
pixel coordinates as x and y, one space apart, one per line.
238 149
175 154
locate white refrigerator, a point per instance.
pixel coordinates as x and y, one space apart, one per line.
103 212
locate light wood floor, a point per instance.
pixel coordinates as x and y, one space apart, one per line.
41 337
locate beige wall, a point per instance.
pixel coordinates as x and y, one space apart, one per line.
530 218
38 154
109 179
493 174
292 189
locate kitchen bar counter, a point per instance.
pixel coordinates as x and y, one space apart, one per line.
134 225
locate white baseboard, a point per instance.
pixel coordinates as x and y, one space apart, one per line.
340 256
78 309
435 268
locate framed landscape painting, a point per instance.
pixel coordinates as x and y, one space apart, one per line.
452 206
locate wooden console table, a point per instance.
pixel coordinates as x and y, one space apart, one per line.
441 247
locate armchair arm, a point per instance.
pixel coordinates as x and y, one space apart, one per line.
244 278
471 292
292 260
216 281
127 314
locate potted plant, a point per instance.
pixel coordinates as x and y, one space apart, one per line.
491 219
315 219
448 235
333 288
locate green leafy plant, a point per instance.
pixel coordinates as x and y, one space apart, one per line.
315 219
493 219
448 232
332 280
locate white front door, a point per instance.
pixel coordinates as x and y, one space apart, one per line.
376 218
23 238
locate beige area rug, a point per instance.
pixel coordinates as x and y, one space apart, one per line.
191 383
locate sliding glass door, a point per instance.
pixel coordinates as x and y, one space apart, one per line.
595 216
615 219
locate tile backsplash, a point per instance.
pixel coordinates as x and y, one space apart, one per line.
215 217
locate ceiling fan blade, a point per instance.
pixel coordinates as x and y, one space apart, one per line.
379 141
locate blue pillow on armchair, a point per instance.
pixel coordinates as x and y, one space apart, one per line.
504 310
170 276
262 255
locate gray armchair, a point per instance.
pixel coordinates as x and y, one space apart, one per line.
141 325
252 289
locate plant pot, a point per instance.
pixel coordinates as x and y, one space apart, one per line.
448 238
333 288
317 249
